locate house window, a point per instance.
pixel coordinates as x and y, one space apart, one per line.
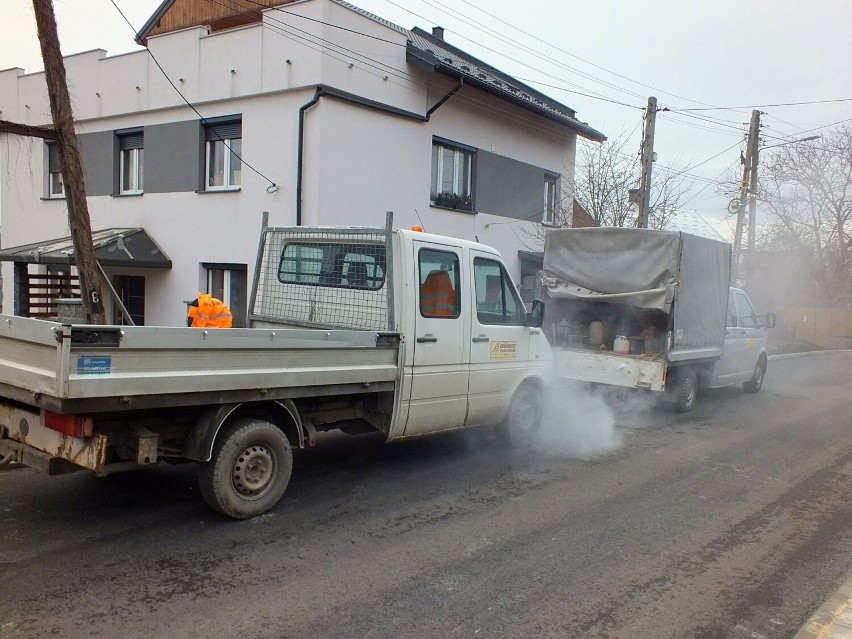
223 151
550 201
227 282
55 183
131 292
131 163
452 181
497 301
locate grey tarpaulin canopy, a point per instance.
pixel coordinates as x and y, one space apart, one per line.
113 247
647 269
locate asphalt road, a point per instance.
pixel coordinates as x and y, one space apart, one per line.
733 521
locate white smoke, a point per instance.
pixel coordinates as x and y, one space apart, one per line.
582 423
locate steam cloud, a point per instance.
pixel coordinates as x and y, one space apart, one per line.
581 423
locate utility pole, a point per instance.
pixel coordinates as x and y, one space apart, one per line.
69 156
749 178
647 163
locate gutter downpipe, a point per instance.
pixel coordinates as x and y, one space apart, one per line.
324 91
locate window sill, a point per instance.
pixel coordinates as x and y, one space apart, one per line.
452 208
60 198
134 194
235 189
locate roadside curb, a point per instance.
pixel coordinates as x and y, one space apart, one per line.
833 620
773 358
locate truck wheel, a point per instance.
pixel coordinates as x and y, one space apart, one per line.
249 469
686 389
523 418
756 382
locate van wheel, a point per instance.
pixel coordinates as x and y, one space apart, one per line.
249 469
522 419
686 389
756 382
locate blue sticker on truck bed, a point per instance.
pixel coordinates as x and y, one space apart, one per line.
94 365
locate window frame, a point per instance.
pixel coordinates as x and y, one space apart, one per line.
334 265
551 188
745 320
234 280
506 286
136 157
53 147
224 130
452 199
456 280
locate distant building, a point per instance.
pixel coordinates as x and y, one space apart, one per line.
318 114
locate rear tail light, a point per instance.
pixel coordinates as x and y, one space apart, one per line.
71 425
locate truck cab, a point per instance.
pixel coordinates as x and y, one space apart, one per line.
470 343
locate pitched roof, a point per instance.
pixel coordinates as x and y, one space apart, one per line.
447 59
439 56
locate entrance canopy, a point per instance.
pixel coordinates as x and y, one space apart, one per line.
113 247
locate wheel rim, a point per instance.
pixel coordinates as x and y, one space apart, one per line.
254 471
758 376
689 391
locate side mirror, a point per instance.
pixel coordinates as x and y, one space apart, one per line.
535 318
769 322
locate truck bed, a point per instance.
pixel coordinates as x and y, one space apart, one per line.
67 368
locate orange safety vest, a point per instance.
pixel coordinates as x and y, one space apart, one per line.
210 313
437 297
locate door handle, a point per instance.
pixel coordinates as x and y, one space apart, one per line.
481 338
427 339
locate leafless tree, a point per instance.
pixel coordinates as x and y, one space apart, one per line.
606 175
805 196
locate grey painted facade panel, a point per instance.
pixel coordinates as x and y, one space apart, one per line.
174 158
99 153
508 187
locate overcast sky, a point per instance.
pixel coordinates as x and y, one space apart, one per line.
688 53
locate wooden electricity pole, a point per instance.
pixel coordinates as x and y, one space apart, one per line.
749 178
647 164
69 157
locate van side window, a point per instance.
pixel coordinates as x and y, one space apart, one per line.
497 300
746 316
439 284
731 320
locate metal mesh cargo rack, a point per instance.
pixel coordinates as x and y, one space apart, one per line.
325 277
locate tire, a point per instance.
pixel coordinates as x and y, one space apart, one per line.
249 469
756 382
686 389
523 418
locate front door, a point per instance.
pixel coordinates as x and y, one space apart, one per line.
438 397
737 333
499 350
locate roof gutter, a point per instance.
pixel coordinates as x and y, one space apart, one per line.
324 91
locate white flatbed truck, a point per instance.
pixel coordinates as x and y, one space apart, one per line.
361 329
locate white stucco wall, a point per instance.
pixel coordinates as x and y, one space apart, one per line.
357 163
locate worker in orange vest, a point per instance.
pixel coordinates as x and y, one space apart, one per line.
437 295
208 312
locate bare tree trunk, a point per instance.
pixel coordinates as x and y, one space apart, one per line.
69 157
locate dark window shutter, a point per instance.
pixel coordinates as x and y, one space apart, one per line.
224 130
131 141
53 158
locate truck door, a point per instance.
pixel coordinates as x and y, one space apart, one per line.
732 363
499 348
754 335
438 397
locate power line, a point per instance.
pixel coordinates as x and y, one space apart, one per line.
777 104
